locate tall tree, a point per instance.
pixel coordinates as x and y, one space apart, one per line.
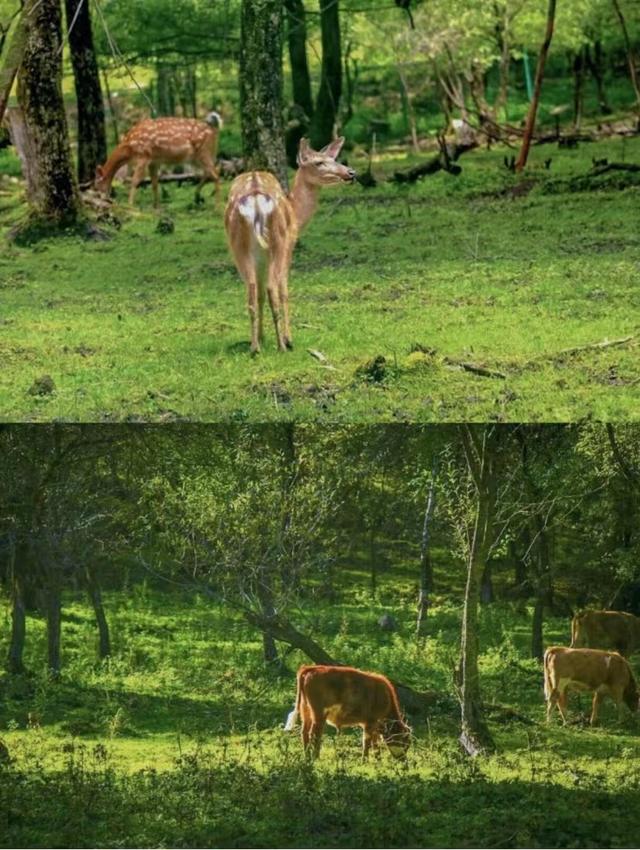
297 39
479 451
328 100
261 86
54 198
530 123
631 59
12 47
92 139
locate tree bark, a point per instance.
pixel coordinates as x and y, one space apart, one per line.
328 100
15 663
56 201
537 88
426 567
261 87
92 139
265 597
474 735
578 80
631 59
53 598
297 40
95 597
415 702
594 63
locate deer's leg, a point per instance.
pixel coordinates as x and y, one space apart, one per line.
210 173
136 177
153 174
284 297
273 291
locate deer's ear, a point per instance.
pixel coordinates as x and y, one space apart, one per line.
333 148
304 150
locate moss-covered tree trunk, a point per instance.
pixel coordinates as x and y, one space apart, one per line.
53 604
92 139
261 86
54 200
328 101
297 39
95 596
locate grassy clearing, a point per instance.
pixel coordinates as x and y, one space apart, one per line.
147 326
178 741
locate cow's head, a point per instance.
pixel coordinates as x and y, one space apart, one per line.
631 695
397 737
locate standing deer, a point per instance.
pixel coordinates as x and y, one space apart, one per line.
161 141
263 223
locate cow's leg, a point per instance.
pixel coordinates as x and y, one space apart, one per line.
562 704
552 699
307 722
597 699
317 728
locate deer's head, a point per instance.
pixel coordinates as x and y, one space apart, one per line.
214 119
320 167
100 180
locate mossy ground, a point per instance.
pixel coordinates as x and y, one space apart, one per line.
483 268
178 741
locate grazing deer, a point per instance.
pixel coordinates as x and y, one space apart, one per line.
263 223
162 141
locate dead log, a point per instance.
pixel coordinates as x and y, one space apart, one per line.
446 160
475 368
414 702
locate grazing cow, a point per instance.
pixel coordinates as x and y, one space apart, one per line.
596 670
606 630
344 696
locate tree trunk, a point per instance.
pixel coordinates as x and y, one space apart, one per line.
537 88
165 95
112 109
486 585
261 87
416 702
13 53
95 597
92 139
40 94
328 100
24 144
373 566
53 598
474 735
631 59
297 39
537 643
265 596
426 567
15 663
594 63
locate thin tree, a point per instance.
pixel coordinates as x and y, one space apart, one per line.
92 140
478 446
537 88
631 59
261 86
14 42
297 41
426 566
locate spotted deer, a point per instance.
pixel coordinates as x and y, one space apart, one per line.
263 223
164 141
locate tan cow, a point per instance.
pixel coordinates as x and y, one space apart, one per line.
606 630
603 673
344 696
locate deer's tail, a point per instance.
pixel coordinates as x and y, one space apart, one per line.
256 210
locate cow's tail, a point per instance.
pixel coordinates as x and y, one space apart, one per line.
292 717
256 209
548 685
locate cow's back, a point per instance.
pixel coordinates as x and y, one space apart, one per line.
589 668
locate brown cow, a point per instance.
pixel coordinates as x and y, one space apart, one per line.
603 673
606 630
344 696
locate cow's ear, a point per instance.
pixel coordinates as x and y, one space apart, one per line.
333 148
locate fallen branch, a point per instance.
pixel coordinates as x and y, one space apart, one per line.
592 346
415 702
613 166
475 368
445 160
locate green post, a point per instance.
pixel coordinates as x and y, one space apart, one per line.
527 74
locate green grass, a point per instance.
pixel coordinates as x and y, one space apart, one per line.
177 741
147 326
